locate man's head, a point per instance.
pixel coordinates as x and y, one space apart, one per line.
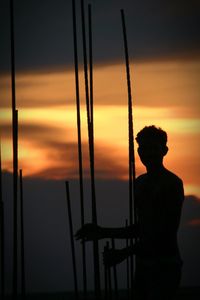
152 146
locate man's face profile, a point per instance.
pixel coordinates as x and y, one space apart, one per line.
151 152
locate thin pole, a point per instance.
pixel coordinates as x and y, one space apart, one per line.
15 190
85 63
90 64
109 277
72 239
15 160
79 145
2 233
105 279
127 266
91 143
131 143
23 282
91 153
91 125
115 273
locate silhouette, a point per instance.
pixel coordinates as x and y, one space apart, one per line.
159 198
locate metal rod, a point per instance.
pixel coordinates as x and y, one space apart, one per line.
15 204
97 284
109 277
91 126
23 280
115 273
105 279
72 239
15 163
127 267
131 144
79 145
90 64
91 143
85 63
2 234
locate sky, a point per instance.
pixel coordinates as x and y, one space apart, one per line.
164 46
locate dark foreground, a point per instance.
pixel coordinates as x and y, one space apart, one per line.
186 293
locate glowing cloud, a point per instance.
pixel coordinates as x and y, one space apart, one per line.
164 93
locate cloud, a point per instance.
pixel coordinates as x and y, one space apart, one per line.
43 33
194 222
191 211
64 158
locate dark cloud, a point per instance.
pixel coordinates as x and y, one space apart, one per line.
43 31
28 130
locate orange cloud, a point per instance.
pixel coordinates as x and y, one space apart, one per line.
164 93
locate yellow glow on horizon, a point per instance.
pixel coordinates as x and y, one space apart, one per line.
164 93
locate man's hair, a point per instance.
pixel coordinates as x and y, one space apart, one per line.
152 132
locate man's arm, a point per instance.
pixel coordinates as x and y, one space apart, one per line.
112 257
91 231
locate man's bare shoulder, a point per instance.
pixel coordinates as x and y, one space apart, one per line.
165 176
172 178
141 179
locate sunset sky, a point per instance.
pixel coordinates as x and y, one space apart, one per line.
165 93
164 49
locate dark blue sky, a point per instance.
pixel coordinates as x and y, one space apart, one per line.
43 31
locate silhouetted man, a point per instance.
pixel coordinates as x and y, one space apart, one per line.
159 198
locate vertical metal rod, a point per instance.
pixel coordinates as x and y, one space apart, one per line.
115 274
15 190
79 145
90 64
85 63
23 280
97 284
105 279
91 134
127 267
72 239
109 277
131 143
12 42
2 234
15 163
91 126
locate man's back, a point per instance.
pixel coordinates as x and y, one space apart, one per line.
159 199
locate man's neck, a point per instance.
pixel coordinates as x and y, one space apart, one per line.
156 169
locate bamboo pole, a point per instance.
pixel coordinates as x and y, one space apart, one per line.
23 278
131 144
79 145
89 106
15 151
2 234
72 239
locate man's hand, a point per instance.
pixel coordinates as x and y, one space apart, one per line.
89 232
113 257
